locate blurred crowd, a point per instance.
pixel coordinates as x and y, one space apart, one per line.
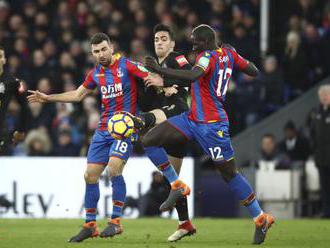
47 45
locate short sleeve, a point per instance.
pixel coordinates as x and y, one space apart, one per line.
203 61
239 61
181 61
137 69
89 82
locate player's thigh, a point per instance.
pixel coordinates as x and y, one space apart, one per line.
93 172
118 155
116 166
159 115
215 140
98 152
172 131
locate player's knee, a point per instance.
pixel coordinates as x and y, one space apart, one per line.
116 166
227 170
90 178
149 140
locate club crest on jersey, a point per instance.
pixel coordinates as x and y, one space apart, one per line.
111 91
2 87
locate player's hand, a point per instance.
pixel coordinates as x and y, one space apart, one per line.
169 91
151 64
37 96
18 137
154 80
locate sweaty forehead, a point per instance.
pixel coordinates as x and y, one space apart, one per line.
162 34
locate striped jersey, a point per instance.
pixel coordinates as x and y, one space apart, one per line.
117 86
208 92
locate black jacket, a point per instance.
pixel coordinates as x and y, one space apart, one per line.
9 87
320 134
154 98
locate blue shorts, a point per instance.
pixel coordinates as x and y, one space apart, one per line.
104 146
212 137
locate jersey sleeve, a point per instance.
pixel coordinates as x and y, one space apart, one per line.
137 69
89 82
181 62
239 61
203 61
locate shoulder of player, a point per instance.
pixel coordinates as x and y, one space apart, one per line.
10 78
176 60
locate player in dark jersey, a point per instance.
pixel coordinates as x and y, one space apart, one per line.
207 121
113 76
164 103
11 86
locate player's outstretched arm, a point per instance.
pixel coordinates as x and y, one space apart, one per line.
251 69
70 96
186 75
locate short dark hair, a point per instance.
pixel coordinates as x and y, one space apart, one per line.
204 32
165 28
290 125
98 38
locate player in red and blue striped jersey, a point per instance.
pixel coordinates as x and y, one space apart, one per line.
114 77
207 121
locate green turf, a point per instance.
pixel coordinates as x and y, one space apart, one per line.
150 233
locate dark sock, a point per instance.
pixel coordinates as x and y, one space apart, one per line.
182 209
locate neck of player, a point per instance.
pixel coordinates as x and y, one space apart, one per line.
161 59
1 70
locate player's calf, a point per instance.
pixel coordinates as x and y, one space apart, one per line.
178 190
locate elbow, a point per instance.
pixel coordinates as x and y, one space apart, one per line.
252 70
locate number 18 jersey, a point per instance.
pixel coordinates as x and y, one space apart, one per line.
208 93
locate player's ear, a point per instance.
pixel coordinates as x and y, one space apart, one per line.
172 44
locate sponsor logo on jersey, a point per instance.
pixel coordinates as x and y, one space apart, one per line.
111 91
181 60
220 133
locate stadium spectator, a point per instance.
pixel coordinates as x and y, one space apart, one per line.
295 147
65 146
38 143
270 158
151 201
320 134
295 66
272 86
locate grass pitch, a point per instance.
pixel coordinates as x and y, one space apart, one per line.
150 233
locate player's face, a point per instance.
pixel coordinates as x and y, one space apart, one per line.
198 44
2 58
102 53
324 97
163 44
